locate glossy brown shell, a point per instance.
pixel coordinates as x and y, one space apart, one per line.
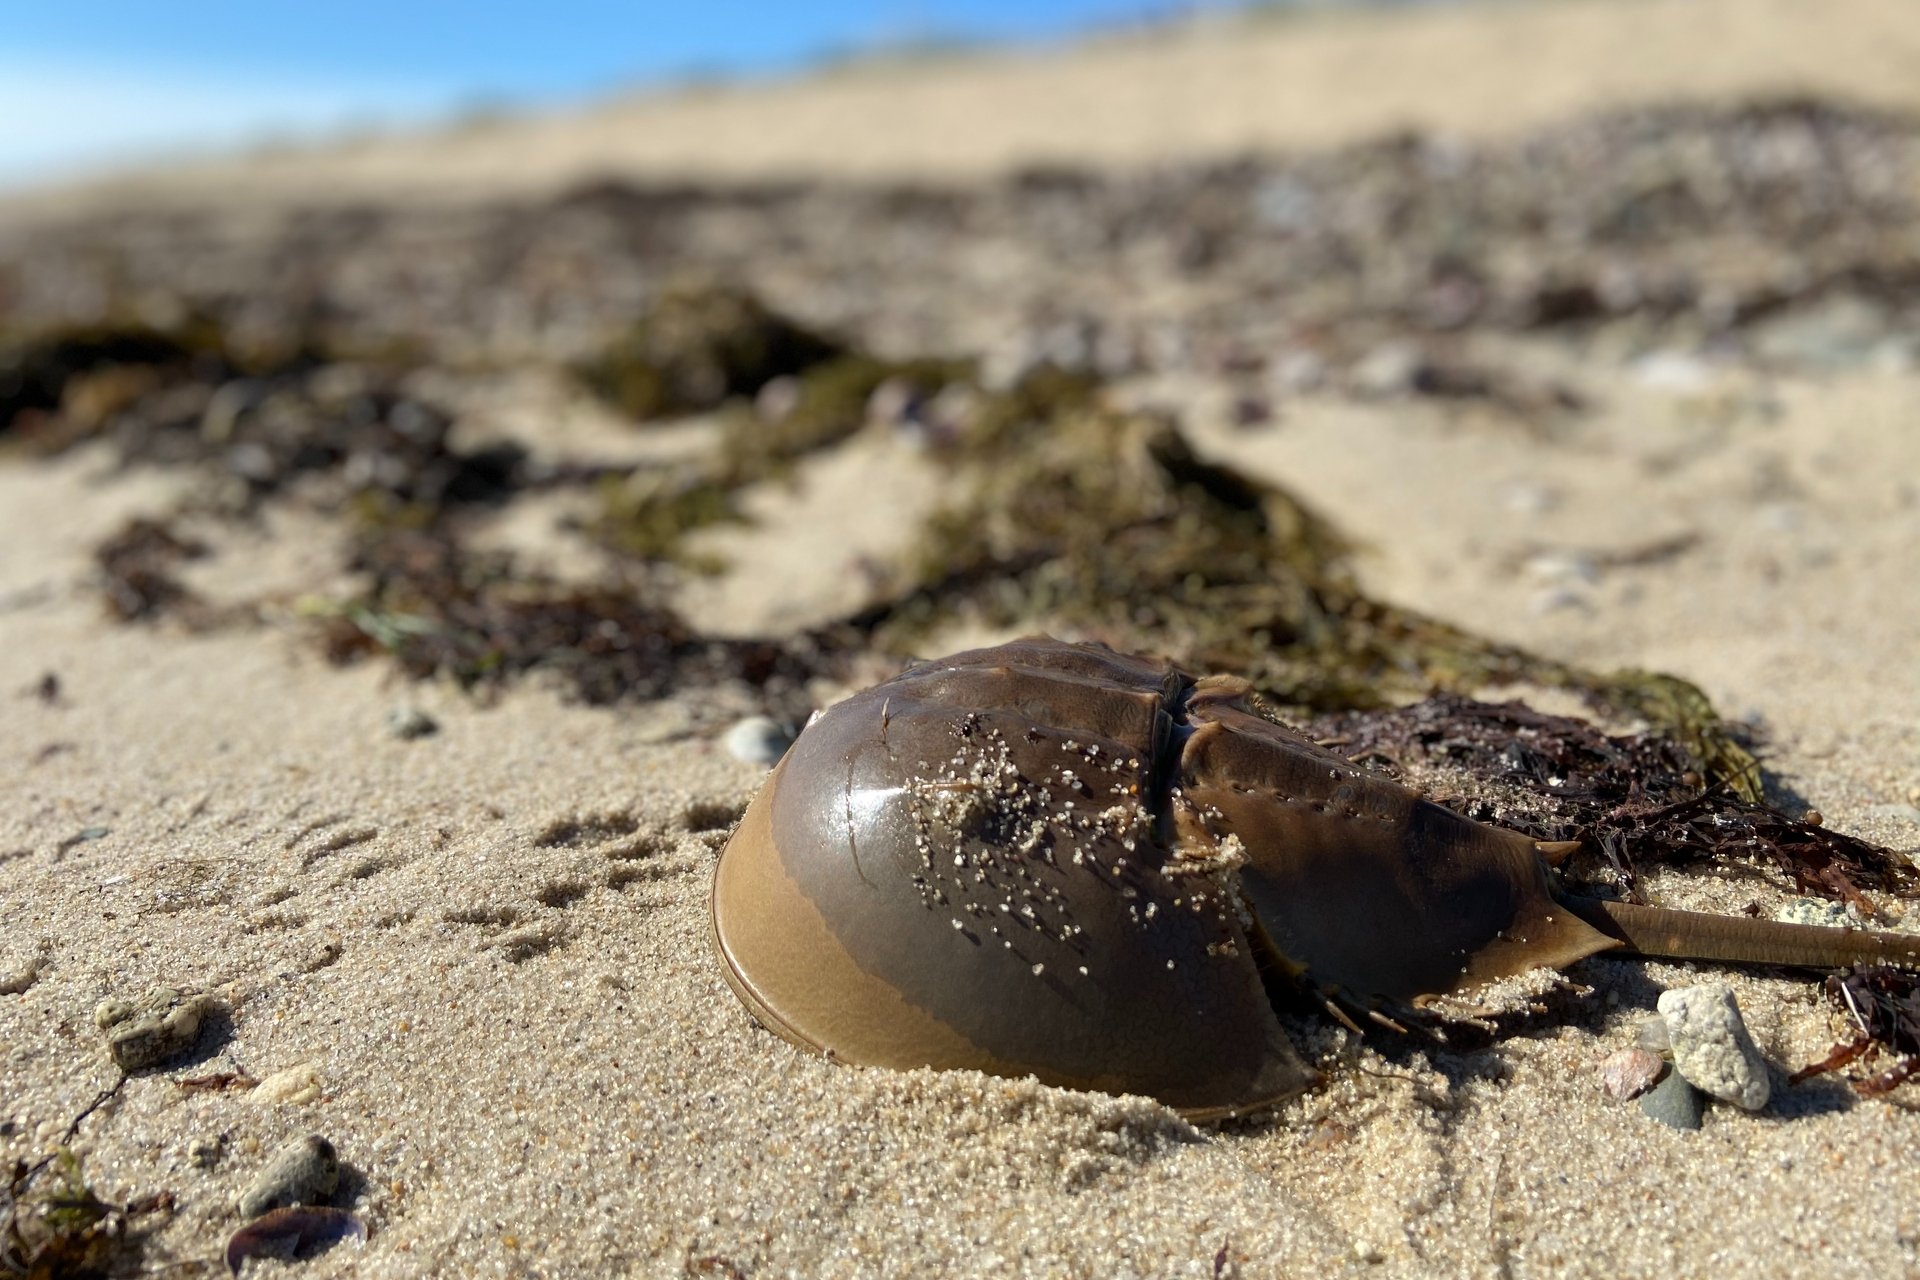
1037 860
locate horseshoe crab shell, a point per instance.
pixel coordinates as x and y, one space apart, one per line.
1055 860
1023 861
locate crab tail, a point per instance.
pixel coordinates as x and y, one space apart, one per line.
1699 935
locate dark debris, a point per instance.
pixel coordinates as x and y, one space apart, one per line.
1884 1005
136 567
697 347
440 610
56 1227
1637 800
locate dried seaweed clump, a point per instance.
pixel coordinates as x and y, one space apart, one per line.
136 569
1074 517
346 432
260 416
697 347
1637 799
1884 1004
439 609
60 1228
40 372
648 513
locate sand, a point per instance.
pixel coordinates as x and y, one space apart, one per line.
489 946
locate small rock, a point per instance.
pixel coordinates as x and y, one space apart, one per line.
1832 336
162 1024
1816 911
1628 1073
777 398
1651 1034
18 979
1711 1047
299 1083
759 740
408 722
1296 370
1674 1102
292 1233
1674 372
1554 599
1527 498
1387 370
894 403
305 1171
1563 566
205 1153
1250 411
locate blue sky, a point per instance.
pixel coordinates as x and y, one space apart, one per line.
88 84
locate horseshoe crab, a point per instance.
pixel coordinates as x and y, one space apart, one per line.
1057 860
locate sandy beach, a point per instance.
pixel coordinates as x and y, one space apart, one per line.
478 961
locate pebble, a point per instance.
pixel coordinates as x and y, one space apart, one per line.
1674 372
293 1233
1296 370
1526 498
1563 566
299 1083
19 979
1386 371
305 1171
1651 1034
1674 1102
161 1025
1711 1047
1816 911
1628 1073
759 740
894 403
1554 599
408 722
777 398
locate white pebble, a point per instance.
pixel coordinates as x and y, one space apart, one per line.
1711 1047
408 722
758 740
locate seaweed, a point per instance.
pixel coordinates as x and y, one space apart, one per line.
695 348
62 1230
477 618
1884 1005
355 427
648 513
1635 799
258 416
37 369
135 565
1069 515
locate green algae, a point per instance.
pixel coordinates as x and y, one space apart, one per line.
481 619
648 513
697 347
1105 524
